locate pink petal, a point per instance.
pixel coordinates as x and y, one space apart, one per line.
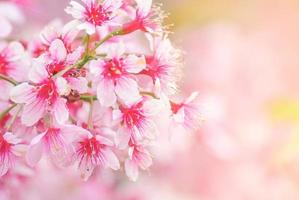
4 165
38 72
60 110
33 111
111 159
34 153
122 138
22 93
127 89
105 92
58 51
134 64
131 170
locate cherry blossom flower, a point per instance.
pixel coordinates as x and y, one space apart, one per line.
10 149
92 151
186 113
148 19
42 97
137 121
13 61
139 157
164 66
93 13
114 77
54 142
55 30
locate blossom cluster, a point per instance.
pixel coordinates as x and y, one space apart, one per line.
88 93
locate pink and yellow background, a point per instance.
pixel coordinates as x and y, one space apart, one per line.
243 58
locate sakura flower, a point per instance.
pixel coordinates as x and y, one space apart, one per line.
92 151
186 114
41 98
137 121
54 142
10 149
139 157
164 66
94 13
148 19
114 77
13 61
67 34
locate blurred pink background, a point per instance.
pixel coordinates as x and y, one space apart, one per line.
242 57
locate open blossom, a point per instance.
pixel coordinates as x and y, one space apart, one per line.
92 151
10 148
54 142
94 13
67 34
137 121
139 157
114 77
163 66
13 61
186 113
41 98
83 99
147 19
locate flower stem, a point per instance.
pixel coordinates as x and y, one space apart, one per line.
90 123
9 126
10 80
107 37
88 97
151 94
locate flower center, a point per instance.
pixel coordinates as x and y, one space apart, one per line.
96 14
90 147
3 65
4 145
113 68
54 68
132 116
47 91
175 107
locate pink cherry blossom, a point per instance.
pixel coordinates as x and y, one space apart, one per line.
54 142
10 148
164 66
13 61
186 113
41 98
93 13
137 121
147 18
139 157
67 34
92 151
114 77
